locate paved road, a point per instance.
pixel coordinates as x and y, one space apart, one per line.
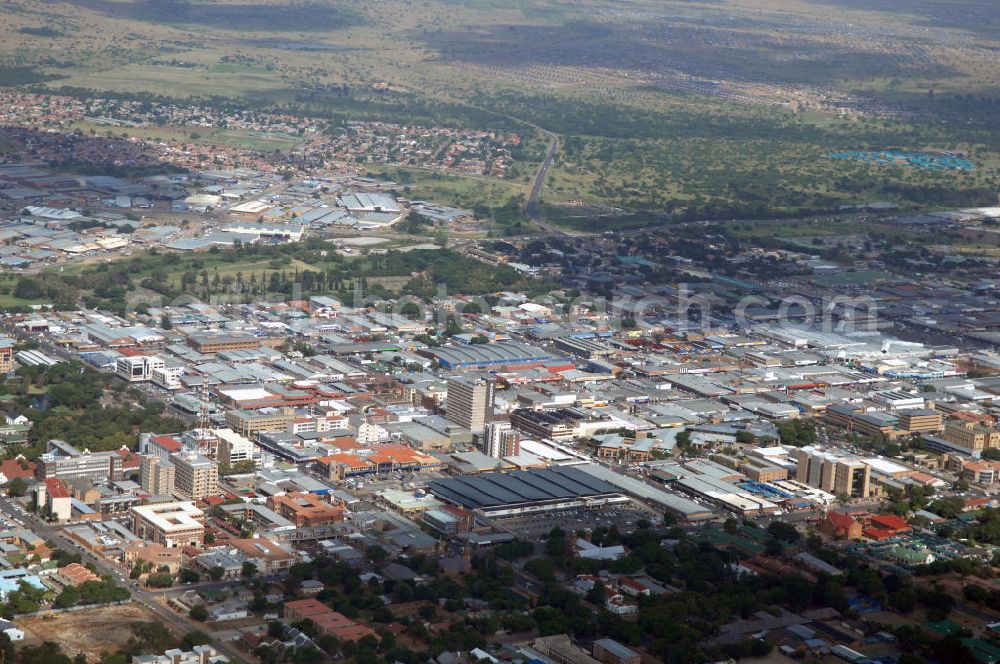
180 623
531 209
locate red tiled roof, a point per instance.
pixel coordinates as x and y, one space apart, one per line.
353 632
398 454
130 459
11 468
631 583
75 574
307 607
890 522
56 488
352 460
840 520
878 533
168 443
923 478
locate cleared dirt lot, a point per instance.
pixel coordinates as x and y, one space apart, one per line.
91 631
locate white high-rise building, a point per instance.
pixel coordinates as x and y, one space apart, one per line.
500 440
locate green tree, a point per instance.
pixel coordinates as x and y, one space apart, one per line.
783 531
17 487
376 553
598 594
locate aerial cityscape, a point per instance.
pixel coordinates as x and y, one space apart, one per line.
538 332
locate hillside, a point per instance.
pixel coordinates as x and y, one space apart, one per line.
712 108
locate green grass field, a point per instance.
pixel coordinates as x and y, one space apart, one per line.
459 190
264 142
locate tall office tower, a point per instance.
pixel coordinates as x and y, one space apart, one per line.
470 402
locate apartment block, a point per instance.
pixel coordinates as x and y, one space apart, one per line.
6 355
759 470
919 420
195 476
832 472
249 423
501 440
157 475
854 419
211 343
971 435
64 461
234 448
58 500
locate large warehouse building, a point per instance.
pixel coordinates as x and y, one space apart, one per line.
488 356
527 491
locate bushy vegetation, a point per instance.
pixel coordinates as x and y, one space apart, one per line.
65 402
246 272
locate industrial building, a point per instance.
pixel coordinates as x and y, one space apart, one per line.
528 491
488 356
683 508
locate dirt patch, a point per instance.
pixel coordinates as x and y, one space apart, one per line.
91 631
888 618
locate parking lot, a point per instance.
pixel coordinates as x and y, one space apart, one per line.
539 525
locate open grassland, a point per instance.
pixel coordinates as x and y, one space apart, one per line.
175 81
461 190
702 108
